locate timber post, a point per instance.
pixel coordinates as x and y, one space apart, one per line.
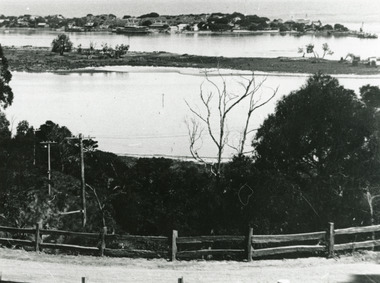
37 237
103 241
249 244
330 240
174 245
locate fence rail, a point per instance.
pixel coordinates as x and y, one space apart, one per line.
322 242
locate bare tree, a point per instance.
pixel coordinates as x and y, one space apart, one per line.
225 103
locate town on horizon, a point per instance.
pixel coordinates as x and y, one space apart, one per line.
153 22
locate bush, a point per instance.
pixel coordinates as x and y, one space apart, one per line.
61 44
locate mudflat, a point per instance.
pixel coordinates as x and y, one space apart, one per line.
35 59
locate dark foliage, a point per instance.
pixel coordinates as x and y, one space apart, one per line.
150 15
315 153
61 44
6 94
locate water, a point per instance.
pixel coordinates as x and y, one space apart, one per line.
232 45
136 110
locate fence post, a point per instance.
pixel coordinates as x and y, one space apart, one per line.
103 239
249 246
37 236
174 245
83 279
330 240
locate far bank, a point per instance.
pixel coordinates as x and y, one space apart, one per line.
34 59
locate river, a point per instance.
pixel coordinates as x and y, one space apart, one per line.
139 110
227 45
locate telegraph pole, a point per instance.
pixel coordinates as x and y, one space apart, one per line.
82 179
48 143
83 182
34 147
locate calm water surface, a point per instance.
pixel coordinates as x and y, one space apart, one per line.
227 45
136 110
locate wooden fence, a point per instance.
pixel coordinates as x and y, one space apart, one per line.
177 248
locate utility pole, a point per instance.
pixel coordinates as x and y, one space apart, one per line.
48 143
34 147
82 179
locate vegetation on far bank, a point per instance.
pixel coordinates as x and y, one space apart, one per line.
34 59
213 22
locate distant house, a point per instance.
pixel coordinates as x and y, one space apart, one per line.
159 25
303 21
173 29
372 61
42 25
316 24
89 25
132 22
22 23
104 26
181 27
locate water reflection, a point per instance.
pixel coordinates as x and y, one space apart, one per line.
226 44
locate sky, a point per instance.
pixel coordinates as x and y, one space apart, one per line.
72 8
344 11
118 7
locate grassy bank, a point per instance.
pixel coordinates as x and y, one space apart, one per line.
33 59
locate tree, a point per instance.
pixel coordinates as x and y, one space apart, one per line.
326 50
339 27
5 133
370 95
316 151
327 27
6 94
147 23
215 121
310 49
61 44
150 15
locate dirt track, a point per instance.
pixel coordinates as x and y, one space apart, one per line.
21 266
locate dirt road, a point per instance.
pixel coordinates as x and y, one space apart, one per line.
21 266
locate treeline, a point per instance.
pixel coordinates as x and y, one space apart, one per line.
216 22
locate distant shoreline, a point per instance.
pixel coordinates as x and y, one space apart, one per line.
325 33
37 59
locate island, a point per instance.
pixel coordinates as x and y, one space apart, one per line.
41 59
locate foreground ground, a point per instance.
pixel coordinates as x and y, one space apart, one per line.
21 266
35 59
